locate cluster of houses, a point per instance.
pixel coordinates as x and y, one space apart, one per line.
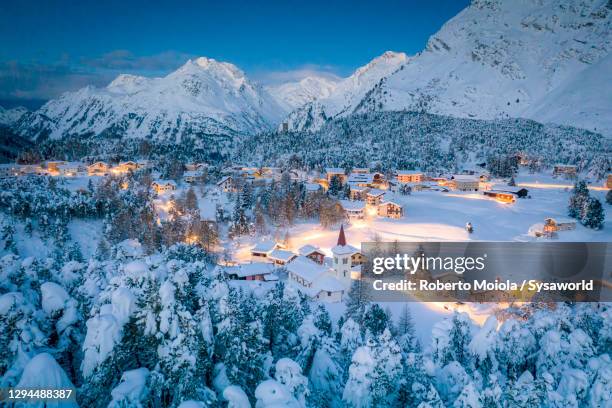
310 270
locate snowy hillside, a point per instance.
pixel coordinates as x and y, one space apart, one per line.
10 116
296 94
203 96
347 94
545 60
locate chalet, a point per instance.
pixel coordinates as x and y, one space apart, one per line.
357 193
193 176
390 209
501 196
52 165
162 186
405 176
335 171
263 249
71 168
567 170
316 280
354 210
374 196
129 249
609 181
464 182
559 224
281 257
256 271
98 169
226 184
313 253
125 167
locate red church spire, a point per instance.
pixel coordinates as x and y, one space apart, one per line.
341 237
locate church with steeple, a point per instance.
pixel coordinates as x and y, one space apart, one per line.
345 259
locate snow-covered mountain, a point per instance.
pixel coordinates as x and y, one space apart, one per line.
203 96
296 94
9 116
542 59
347 93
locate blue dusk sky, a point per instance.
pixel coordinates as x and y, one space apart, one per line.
49 47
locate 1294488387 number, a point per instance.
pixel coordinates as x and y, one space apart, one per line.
25 394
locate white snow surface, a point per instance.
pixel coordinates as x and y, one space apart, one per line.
43 372
546 60
10 116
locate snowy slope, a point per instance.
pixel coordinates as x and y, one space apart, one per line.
295 94
348 93
203 96
9 116
541 59
546 60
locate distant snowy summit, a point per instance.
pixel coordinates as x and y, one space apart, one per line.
202 97
547 60
10 116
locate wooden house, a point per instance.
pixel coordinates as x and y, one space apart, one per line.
559 224
256 271
193 176
263 249
406 176
281 257
374 196
501 196
609 181
567 170
162 186
354 210
390 209
313 253
464 182
226 184
98 168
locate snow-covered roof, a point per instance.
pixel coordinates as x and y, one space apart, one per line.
352 205
566 165
328 283
161 182
376 192
390 202
224 179
281 255
355 187
344 250
130 247
334 170
264 247
465 178
308 249
306 268
250 269
409 173
361 178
